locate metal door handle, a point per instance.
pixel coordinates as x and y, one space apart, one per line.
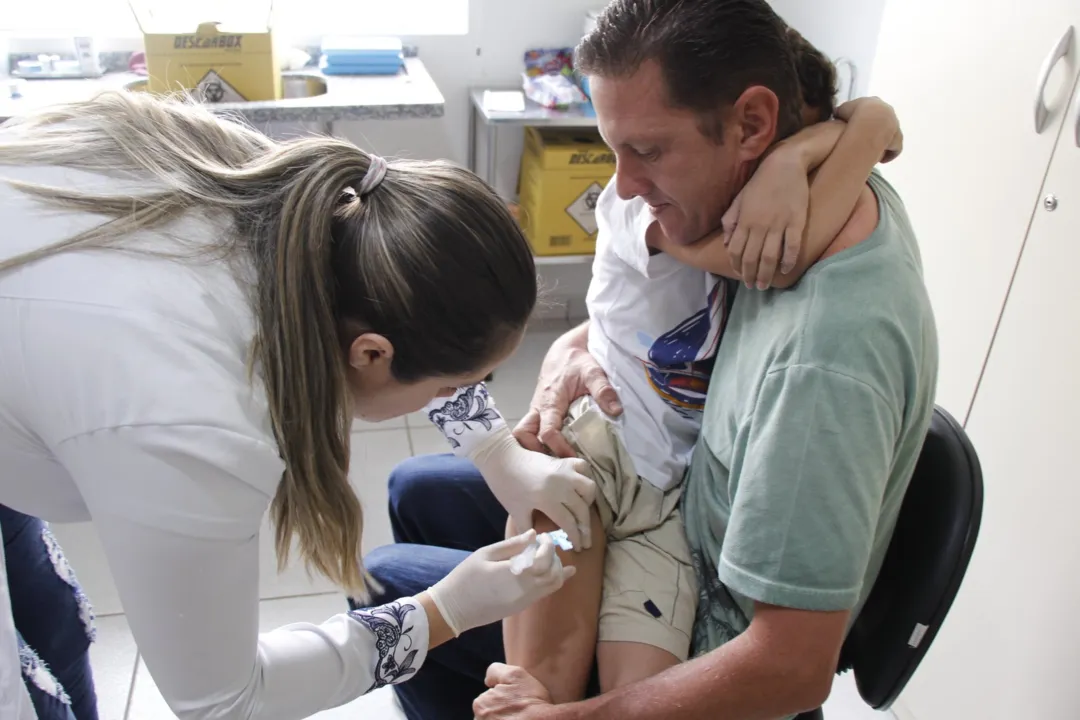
852 75
1042 113
1077 133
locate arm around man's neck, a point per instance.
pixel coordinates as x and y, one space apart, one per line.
838 155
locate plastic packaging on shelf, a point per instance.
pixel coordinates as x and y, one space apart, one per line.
557 92
549 78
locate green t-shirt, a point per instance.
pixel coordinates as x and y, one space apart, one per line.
819 402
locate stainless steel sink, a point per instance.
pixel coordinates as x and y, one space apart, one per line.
302 86
293 85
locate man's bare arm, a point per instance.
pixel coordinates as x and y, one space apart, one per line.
782 665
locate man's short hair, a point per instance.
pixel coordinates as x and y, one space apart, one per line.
709 52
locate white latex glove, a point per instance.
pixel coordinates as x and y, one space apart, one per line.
483 590
524 481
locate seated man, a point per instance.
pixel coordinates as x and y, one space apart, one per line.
655 327
786 538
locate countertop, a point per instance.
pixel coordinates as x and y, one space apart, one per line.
410 94
536 115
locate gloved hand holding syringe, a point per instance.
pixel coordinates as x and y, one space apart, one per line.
523 560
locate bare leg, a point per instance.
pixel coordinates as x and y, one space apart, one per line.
625 663
555 639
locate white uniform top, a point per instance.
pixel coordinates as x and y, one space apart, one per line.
125 399
655 327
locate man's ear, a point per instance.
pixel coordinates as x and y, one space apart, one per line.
754 119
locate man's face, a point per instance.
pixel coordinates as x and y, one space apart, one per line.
687 179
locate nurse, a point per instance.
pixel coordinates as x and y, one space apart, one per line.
191 315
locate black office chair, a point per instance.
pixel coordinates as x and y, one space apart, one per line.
927 558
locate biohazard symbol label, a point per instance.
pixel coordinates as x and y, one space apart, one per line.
583 210
214 89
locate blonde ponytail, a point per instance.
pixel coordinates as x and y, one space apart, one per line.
299 349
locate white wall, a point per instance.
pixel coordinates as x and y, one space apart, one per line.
839 28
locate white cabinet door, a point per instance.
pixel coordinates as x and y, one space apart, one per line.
1010 647
962 77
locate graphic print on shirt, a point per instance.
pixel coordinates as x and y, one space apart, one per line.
719 619
680 361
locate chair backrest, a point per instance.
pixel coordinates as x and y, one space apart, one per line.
926 560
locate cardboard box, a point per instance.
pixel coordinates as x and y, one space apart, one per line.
221 62
563 172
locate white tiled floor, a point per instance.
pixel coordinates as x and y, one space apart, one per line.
127 692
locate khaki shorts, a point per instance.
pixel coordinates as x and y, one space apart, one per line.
650 591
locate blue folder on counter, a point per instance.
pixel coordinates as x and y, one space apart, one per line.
361 56
361 68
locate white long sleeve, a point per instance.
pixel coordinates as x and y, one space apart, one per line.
467 418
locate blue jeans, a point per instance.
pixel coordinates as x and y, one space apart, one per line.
53 619
440 511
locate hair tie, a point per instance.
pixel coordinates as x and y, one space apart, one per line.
373 177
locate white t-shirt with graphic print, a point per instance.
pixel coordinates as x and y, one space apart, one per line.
655 327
